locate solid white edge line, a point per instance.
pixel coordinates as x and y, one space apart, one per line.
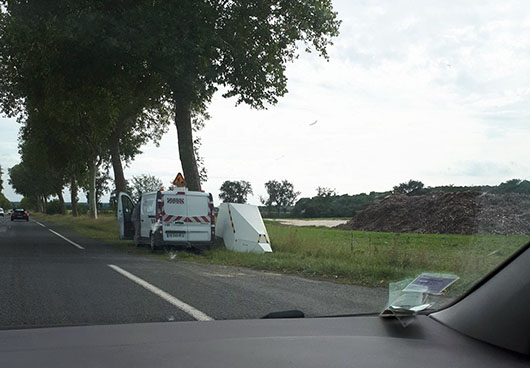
68 240
39 223
195 313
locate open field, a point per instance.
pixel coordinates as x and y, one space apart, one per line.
363 258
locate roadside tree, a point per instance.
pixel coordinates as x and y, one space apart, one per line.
242 47
4 202
281 194
144 183
97 100
28 203
235 191
31 183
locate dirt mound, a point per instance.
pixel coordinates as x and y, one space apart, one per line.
467 212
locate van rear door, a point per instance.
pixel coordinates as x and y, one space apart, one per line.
173 215
147 214
199 226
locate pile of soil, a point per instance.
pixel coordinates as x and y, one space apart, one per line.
467 212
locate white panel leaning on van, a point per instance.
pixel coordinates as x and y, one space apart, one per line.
181 218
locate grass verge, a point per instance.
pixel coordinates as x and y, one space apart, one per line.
356 257
105 228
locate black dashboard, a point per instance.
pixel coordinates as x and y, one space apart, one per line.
320 342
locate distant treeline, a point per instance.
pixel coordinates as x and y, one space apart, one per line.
510 186
333 205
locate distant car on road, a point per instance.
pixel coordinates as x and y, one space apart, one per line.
19 214
2 212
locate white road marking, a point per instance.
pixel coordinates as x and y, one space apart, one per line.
68 240
39 223
195 313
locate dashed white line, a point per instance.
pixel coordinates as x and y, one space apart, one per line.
39 223
195 313
68 240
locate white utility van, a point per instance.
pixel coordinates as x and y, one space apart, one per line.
180 218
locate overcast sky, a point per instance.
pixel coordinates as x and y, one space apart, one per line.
436 91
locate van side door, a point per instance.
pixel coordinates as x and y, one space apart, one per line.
125 210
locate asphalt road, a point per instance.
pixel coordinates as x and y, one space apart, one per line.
49 277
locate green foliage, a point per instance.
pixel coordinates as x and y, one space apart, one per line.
326 192
82 208
20 180
235 191
105 228
28 203
102 185
280 194
90 75
513 186
333 205
29 181
53 207
5 203
242 46
413 187
72 89
144 183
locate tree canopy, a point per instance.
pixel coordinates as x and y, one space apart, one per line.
144 183
235 191
98 79
280 194
410 188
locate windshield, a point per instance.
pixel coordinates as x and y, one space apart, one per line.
203 160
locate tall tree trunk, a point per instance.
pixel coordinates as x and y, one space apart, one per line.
45 203
93 210
114 147
61 201
39 204
73 195
185 142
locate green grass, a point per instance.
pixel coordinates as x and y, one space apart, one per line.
363 258
105 228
